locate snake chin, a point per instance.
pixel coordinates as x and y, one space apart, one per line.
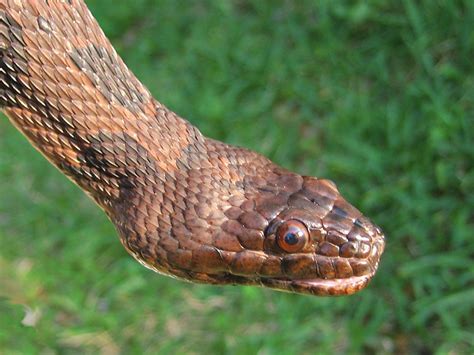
320 287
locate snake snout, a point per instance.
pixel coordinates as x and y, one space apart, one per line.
339 235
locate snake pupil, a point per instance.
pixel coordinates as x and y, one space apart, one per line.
291 238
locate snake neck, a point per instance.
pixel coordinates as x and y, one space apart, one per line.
65 88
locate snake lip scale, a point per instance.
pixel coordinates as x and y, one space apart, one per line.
321 286
327 287
183 205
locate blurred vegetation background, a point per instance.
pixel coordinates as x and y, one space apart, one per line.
376 95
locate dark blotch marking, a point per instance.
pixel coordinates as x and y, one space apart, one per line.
194 159
118 156
191 155
14 94
97 169
11 62
110 76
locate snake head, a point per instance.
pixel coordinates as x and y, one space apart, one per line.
278 230
244 220
325 245
300 235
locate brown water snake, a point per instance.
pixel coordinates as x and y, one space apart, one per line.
183 204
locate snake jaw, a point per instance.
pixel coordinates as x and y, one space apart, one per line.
343 250
330 286
320 287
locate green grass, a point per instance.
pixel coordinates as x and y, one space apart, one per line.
375 95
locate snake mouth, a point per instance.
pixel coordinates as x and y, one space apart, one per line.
330 286
320 287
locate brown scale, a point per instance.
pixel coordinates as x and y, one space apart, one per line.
183 204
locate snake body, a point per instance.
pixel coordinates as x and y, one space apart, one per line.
183 204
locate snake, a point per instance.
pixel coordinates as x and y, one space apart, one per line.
184 205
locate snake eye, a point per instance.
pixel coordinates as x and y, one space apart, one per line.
292 236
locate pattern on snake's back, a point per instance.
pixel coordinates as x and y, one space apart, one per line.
183 204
